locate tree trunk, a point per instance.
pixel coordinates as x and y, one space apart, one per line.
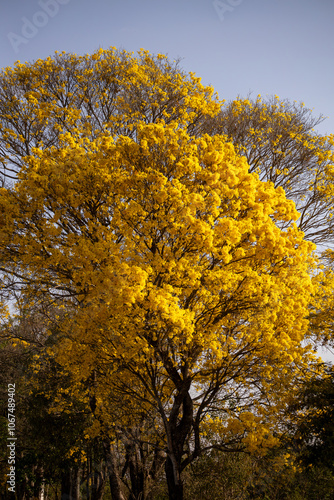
115 483
76 481
136 471
179 427
174 482
66 484
98 484
70 484
41 495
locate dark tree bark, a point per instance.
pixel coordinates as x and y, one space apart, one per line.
174 481
70 484
180 424
134 463
98 484
115 483
66 486
76 481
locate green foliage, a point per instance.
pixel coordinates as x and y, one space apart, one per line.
313 430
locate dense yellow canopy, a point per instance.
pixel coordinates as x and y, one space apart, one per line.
164 258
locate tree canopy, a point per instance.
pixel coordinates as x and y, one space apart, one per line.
164 257
280 142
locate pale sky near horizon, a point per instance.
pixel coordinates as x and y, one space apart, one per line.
266 47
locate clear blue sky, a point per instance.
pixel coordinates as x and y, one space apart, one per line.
282 47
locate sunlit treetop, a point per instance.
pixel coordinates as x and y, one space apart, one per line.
106 93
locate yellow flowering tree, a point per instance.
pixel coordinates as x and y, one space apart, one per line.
179 278
280 142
